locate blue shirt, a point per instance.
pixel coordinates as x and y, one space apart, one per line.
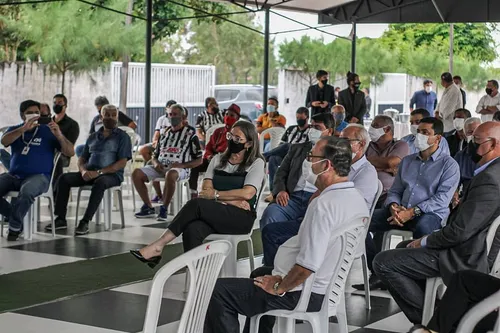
342 126
40 157
410 140
101 152
467 166
430 184
482 168
423 100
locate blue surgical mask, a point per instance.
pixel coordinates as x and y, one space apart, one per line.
271 108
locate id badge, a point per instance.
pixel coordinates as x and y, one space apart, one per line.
25 151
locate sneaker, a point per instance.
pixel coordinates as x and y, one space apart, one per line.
83 228
59 224
145 212
157 199
13 235
162 216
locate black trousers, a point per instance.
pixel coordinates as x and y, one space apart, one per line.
195 174
466 289
235 296
74 179
199 218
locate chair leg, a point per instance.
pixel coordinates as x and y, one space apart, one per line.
250 254
367 283
386 243
52 219
229 266
285 325
120 203
1 225
429 300
78 197
108 206
38 215
27 224
341 316
133 192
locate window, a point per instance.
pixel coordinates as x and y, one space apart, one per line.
222 95
254 95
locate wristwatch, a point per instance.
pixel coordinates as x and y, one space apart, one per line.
417 211
275 288
100 172
216 195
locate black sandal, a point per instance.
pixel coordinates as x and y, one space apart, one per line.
152 262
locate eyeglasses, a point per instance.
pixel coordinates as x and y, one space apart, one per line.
310 156
237 139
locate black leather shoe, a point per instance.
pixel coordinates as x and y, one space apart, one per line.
375 284
13 235
152 262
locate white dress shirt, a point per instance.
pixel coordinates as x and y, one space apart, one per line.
486 101
449 103
364 177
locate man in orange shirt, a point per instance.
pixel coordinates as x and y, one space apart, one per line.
266 119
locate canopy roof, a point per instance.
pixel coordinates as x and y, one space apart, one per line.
308 6
412 11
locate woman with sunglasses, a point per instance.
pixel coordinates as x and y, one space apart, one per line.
227 202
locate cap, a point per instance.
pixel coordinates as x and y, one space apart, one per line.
235 108
170 103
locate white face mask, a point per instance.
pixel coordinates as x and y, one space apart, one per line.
308 173
413 129
428 89
314 135
271 108
375 133
469 138
31 116
421 142
459 123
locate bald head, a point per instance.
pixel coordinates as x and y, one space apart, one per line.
487 139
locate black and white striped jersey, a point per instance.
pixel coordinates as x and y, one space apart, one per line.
182 146
293 134
206 120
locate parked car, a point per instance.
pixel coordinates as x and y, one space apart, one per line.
247 96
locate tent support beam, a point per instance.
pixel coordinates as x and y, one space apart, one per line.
147 88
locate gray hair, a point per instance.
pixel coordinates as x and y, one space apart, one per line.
108 107
386 121
180 108
340 107
472 120
361 135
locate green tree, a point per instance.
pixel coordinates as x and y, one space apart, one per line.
11 39
78 38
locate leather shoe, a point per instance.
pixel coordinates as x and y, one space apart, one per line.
374 282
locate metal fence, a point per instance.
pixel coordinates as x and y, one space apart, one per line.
186 84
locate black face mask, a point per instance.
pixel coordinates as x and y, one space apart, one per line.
357 85
175 121
489 91
109 123
57 108
235 148
473 147
324 82
301 122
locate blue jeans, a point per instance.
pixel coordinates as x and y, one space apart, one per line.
5 158
275 157
274 235
28 188
79 150
420 226
296 209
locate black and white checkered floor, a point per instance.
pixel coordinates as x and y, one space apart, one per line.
122 309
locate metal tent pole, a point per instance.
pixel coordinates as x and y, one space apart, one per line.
266 58
147 88
353 49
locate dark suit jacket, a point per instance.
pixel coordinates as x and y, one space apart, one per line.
454 142
290 169
313 96
357 110
462 242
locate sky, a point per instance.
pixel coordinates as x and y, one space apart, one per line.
363 30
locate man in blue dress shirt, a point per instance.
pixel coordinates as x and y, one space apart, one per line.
425 98
421 193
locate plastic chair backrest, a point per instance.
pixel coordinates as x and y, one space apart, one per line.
56 159
260 194
478 312
350 235
204 264
492 231
377 196
276 133
211 131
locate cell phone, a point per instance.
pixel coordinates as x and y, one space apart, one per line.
44 120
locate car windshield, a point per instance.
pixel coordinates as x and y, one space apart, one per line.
257 94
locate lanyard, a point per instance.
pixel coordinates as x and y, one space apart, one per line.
28 143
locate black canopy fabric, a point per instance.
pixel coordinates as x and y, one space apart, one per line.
412 11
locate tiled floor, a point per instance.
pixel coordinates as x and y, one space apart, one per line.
122 309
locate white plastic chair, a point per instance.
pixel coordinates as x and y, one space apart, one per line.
350 235
107 202
276 134
478 312
435 287
203 264
230 265
182 191
362 249
405 234
211 131
33 213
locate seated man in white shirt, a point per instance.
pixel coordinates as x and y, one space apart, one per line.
312 251
489 103
362 174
